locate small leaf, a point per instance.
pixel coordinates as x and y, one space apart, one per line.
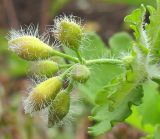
136 21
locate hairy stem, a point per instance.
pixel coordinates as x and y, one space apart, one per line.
63 75
79 56
64 66
104 61
65 56
70 86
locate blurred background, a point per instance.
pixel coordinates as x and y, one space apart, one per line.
102 16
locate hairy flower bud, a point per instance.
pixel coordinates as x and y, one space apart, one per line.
68 32
44 67
80 73
58 108
57 59
30 48
42 95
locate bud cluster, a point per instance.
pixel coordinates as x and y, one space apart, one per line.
47 61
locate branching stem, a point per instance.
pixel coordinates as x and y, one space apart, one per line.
65 56
79 56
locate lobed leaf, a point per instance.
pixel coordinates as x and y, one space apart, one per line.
105 118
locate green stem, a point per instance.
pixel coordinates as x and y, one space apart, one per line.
65 56
64 66
104 61
63 75
79 56
70 86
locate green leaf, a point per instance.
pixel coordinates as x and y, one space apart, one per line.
153 30
105 118
146 116
121 39
151 104
136 120
155 135
136 21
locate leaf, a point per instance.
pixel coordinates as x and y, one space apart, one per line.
155 135
101 74
151 102
148 112
136 21
105 118
121 39
153 31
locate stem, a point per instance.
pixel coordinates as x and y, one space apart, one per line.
64 66
63 75
79 56
65 56
70 86
104 61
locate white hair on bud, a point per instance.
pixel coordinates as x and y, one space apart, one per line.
55 29
29 103
30 30
74 110
70 18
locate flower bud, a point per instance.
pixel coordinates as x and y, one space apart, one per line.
30 48
44 67
42 95
69 33
58 108
80 73
57 59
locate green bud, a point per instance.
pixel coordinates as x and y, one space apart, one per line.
57 59
44 67
30 48
58 108
70 33
80 73
42 95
